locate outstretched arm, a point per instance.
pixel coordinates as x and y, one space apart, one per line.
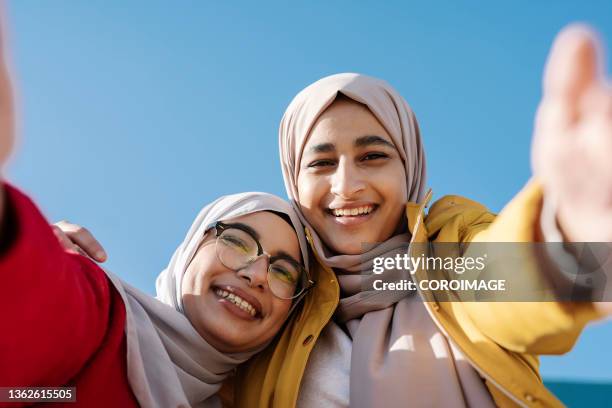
572 142
572 145
54 306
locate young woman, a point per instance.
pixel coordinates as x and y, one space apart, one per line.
227 291
354 165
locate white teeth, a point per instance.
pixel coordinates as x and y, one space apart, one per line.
340 212
237 300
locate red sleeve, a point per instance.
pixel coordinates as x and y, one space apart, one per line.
54 305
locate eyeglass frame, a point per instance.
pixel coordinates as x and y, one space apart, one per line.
220 227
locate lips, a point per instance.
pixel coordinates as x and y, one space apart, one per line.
240 299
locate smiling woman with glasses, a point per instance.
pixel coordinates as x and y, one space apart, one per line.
221 300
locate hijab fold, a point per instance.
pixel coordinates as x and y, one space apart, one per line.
168 363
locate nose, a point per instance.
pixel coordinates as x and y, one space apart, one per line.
346 180
256 273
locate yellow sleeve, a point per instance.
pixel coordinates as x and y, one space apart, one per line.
542 327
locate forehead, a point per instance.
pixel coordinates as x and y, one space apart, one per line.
343 122
275 234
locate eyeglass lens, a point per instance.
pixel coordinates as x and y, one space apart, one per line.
237 249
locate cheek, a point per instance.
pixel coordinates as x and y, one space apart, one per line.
391 187
392 184
200 274
281 310
304 187
394 195
311 192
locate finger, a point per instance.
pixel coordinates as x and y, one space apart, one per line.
83 238
78 250
598 102
66 242
66 225
86 241
573 64
63 239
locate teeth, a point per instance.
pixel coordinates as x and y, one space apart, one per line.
237 300
341 212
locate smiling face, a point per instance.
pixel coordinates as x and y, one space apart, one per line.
351 180
236 311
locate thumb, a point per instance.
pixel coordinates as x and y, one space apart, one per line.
573 63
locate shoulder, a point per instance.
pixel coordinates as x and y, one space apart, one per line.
454 204
458 211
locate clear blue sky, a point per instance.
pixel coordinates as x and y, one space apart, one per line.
135 114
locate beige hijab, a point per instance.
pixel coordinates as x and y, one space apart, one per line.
398 356
169 364
398 119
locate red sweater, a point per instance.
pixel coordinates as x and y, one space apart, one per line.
62 320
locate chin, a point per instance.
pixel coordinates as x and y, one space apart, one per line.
343 247
231 344
354 250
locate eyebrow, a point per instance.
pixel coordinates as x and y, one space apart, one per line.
280 254
322 148
284 255
248 229
362 141
369 140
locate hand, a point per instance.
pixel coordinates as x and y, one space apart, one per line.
75 238
573 139
572 144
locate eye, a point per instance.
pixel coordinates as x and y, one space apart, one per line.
321 163
282 274
374 156
235 243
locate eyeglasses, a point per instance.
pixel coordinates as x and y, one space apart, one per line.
237 248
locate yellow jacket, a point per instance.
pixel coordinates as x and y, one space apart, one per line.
500 339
